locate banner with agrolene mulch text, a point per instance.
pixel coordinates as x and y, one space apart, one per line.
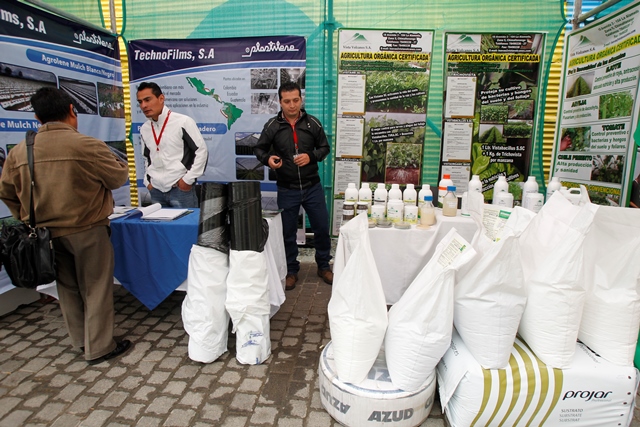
599 109
41 49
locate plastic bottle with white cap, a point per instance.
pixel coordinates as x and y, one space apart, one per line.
530 187
500 186
365 196
554 185
351 193
409 195
395 192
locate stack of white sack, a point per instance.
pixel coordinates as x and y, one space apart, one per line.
357 309
203 313
552 257
489 292
248 281
248 305
611 316
421 322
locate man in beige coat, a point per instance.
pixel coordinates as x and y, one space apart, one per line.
74 175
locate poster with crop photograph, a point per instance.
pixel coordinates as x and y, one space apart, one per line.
599 108
383 82
490 102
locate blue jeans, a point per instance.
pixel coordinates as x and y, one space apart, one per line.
175 198
312 200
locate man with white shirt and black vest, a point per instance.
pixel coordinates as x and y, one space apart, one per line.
175 154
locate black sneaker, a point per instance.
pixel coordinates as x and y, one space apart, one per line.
121 348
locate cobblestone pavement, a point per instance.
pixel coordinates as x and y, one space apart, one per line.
45 382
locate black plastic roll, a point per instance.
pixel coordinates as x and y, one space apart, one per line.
213 228
248 230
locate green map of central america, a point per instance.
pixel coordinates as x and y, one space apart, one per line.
230 111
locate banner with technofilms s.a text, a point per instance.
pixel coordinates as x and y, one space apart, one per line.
40 49
599 109
228 86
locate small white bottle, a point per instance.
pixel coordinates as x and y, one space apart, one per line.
351 193
427 211
442 188
365 196
475 184
380 195
395 192
409 195
530 187
500 186
450 202
554 185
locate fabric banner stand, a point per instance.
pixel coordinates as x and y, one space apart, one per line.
41 49
599 109
228 86
383 82
492 95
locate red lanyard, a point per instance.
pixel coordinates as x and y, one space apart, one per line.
295 136
158 138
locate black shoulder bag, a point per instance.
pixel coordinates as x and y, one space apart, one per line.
26 250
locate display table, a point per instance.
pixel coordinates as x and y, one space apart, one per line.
401 254
152 257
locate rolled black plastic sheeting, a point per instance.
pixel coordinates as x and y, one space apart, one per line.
213 227
248 230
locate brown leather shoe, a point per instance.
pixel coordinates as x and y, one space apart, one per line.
326 275
290 282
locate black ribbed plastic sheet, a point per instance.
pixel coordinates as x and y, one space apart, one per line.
248 231
213 227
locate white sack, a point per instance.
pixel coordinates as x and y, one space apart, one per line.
611 316
420 323
357 310
248 305
203 314
351 234
552 251
489 302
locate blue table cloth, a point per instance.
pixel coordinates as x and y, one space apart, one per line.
152 257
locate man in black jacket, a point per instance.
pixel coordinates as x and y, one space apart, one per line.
292 144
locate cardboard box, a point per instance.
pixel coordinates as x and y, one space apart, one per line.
592 392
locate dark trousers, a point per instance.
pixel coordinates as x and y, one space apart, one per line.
312 200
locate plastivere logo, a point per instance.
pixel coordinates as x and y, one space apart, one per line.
464 43
82 37
581 46
356 42
269 47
